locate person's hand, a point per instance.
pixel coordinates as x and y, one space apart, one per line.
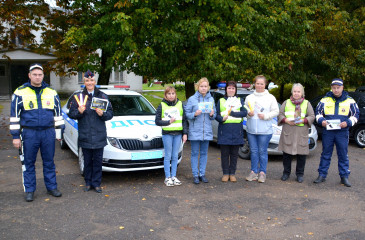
261 116
287 121
184 138
198 112
300 122
211 113
81 109
172 120
99 112
343 124
16 143
324 123
225 118
251 113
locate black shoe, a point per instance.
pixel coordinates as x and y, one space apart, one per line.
54 193
284 177
87 188
98 189
319 179
203 179
299 179
29 196
196 180
345 181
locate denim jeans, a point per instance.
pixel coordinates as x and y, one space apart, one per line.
199 148
171 146
258 147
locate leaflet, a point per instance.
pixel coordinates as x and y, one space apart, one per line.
99 103
333 124
206 107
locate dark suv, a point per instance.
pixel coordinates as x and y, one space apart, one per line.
357 132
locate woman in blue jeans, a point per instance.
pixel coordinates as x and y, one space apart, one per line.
200 111
170 115
263 108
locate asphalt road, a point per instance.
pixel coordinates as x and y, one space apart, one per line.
139 206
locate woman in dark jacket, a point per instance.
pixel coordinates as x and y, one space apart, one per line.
230 113
171 116
92 130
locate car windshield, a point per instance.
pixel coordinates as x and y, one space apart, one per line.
131 105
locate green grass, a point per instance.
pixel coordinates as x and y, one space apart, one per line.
1 108
145 86
63 102
156 101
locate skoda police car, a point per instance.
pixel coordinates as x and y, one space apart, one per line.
134 140
244 152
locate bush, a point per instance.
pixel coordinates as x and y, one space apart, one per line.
287 91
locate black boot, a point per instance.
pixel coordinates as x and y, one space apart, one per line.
29 196
345 181
319 179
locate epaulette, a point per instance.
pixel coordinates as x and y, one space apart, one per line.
22 87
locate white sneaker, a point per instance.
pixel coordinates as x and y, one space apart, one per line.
168 182
176 181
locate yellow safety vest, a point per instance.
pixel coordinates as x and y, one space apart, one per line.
29 98
223 109
290 110
172 111
343 107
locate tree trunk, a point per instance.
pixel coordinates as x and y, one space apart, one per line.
281 95
189 89
104 74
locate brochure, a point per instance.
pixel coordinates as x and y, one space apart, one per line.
206 107
333 124
99 103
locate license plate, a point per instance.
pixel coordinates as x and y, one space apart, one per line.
147 155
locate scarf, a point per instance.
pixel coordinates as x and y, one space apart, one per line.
298 110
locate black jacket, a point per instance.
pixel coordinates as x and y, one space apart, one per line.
91 127
160 122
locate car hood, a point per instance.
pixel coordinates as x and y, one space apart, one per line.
133 127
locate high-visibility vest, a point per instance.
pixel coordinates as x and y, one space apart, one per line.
290 110
224 112
29 98
172 111
343 107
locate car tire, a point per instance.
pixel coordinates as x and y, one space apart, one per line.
360 137
244 152
81 161
63 143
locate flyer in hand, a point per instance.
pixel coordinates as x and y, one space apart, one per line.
99 103
206 107
333 124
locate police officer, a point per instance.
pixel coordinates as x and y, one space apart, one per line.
35 111
336 112
92 130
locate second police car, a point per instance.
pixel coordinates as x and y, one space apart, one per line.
134 140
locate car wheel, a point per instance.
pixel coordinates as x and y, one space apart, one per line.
63 143
244 152
81 161
360 137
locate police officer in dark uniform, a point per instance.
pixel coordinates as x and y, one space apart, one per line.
336 113
35 112
92 130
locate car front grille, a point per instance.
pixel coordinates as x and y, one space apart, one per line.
135 144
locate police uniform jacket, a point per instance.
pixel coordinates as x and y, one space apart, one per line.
30 109
343 108
91 127
160 122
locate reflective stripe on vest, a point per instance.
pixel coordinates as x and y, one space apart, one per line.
343 107
172 111
290 111
224 112
30 101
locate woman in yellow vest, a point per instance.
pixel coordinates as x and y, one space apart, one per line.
296 116
170 115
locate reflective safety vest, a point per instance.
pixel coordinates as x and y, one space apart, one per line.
169 112
224 112
29 98
290 110
343 107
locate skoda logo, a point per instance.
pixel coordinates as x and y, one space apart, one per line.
145 136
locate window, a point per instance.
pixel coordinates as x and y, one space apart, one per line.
80 78
118 76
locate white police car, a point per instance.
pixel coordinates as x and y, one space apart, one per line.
134 140
244 152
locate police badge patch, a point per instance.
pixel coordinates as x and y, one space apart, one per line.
48 103
343 110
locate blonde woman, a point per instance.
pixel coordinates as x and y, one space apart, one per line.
200 111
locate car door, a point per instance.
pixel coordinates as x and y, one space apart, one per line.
70 133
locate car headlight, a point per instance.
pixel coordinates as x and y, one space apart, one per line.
114 142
